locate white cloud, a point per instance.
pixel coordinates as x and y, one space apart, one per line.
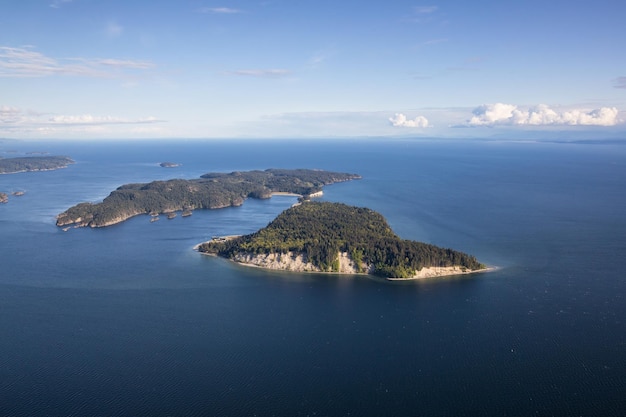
501 114
400 120
219 10
9 114
263 73
26 62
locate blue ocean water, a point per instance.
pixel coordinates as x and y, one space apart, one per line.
129 320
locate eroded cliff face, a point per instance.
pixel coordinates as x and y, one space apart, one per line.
296 262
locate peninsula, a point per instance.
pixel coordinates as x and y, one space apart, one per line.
334 237
210 191
33 163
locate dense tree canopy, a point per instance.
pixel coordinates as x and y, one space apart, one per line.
323 230
214 190
33 163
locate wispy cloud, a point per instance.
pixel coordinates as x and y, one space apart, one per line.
10 115
16 121
434 41
58 3
261 73
318 59
469 64
423 14
326 124
501 114
26 62
400 120
113 29
220 10
121 63
425 9
620 82
15 116
88 119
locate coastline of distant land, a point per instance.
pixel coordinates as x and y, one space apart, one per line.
33 164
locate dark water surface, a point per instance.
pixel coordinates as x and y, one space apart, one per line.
129 320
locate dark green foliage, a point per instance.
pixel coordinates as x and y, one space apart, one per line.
33 163
322 230
211 191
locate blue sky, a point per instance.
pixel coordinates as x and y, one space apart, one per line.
300 68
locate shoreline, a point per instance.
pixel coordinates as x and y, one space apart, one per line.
32 170
285 193
215 239
443 271
294 266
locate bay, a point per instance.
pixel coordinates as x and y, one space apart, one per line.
129 320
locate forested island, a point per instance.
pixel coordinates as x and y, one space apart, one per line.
334 237
33 163
169 165
210 191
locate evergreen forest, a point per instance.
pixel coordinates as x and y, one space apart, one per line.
33 163
210 191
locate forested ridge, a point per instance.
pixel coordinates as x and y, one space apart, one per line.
213 190
33 163
322 230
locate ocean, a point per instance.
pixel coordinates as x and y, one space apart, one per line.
129 320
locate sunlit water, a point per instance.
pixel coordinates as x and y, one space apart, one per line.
129 320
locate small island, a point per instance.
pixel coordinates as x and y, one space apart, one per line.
169 165
210 191
4 198
337 238
33 163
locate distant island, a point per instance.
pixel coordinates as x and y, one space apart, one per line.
210 191
169 165
33 163
334 237
4 198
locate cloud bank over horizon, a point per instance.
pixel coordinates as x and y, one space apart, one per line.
502 114
13 119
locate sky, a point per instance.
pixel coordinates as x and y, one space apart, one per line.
81 69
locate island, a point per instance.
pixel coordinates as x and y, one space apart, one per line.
4 198
33 163
210 191
169 165
337 238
